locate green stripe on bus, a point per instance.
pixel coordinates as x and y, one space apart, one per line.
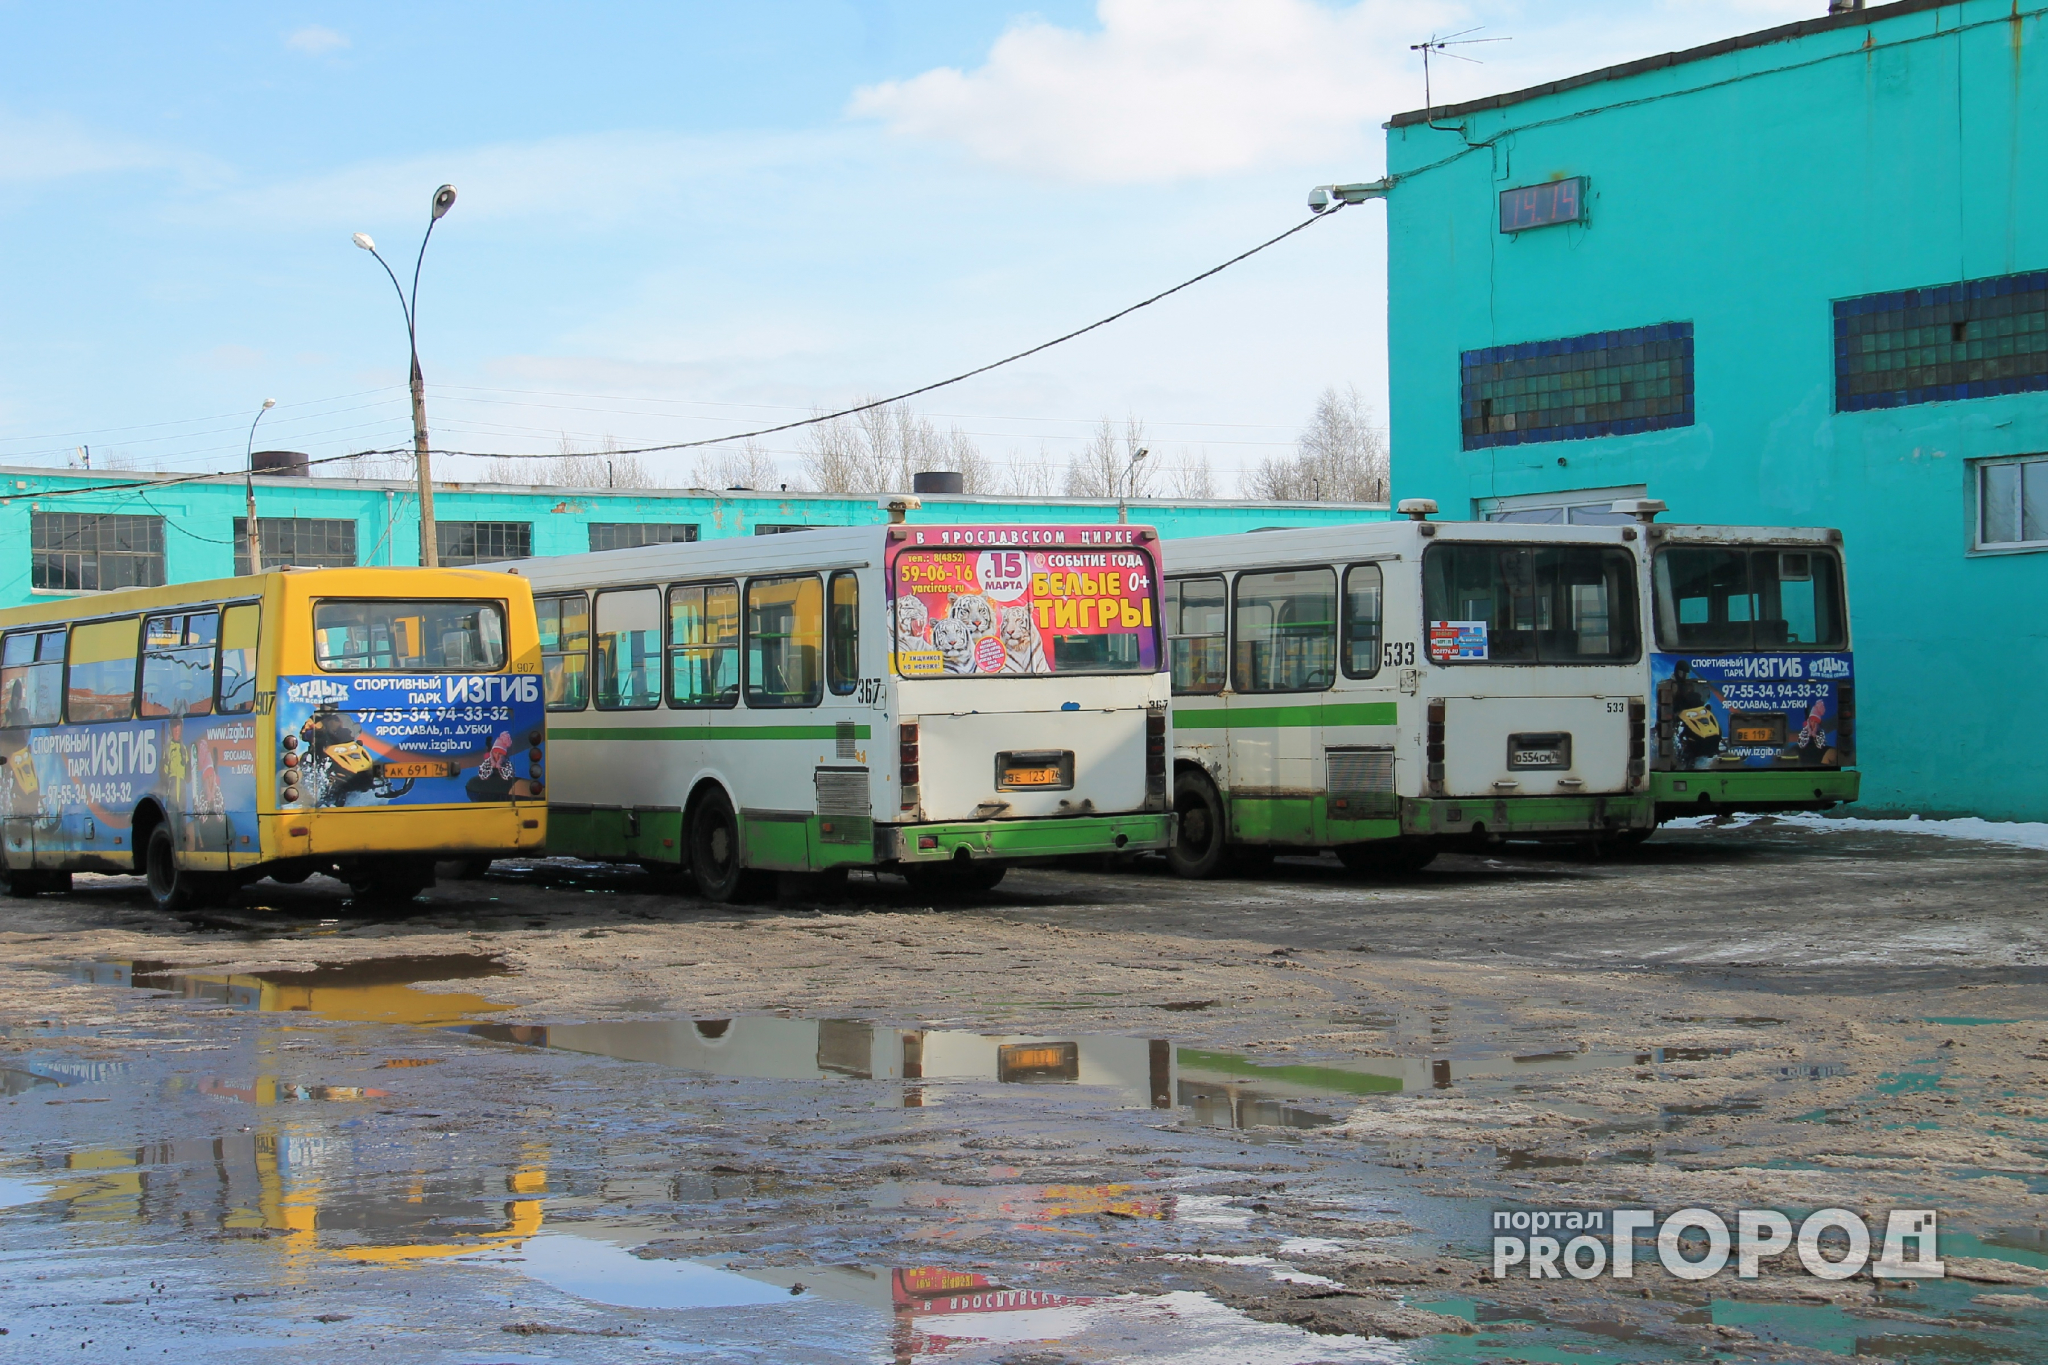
1289 717
704 732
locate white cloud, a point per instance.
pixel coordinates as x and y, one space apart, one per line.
314 39
1170 89
51 148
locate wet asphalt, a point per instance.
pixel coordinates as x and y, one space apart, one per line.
1096 1115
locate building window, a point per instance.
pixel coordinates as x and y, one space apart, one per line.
1976 339
1574 388
481 542
89 552
2012 504
777 528
303 542
1583 507
630 535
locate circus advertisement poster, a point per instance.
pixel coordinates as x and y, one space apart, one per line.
1023 611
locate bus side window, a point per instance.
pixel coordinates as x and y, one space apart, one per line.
177 663
32 678
565 650
1362 615
238 659
1286 630
628 638
785 635
101 679
703 640
1194 632
842 662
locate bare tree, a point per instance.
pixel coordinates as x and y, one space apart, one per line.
1191 477
879 449
604 467
1030 477
1340 456
748 466
1103 469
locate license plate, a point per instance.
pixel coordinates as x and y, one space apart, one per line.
1031 777
1755 735
417 770
1537 758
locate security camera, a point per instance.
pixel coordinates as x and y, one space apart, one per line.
1319 198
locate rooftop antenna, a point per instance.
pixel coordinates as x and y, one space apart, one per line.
1442 47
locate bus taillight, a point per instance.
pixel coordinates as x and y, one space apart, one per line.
1435 740
1155 753
906 763
1845 723
1638 741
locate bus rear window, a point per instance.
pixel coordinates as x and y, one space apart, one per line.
1525 604
1023 612
1713 597
379 636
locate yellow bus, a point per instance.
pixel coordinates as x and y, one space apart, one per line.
358 722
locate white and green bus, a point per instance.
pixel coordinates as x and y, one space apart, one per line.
937 701
1391 689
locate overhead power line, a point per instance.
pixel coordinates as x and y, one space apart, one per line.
813 420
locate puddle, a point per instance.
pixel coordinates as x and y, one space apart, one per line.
376 990
608 1274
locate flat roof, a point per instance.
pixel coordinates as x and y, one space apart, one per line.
1763 38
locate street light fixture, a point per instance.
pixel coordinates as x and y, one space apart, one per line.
1126 484
254 539
444 199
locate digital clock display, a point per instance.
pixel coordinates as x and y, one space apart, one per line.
1535 206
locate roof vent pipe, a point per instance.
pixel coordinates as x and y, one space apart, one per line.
1844 6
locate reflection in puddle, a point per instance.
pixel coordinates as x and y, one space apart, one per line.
608 1274
378 990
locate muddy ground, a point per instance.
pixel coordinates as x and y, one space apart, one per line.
569 1113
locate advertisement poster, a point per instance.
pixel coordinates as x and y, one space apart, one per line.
1751 710
1025 609
1457 641
201 766
433 739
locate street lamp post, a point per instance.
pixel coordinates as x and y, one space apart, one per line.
444 199
254 539
1126 483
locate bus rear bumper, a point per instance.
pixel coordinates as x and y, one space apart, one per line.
1758 791
1008 840
436 831
1524 817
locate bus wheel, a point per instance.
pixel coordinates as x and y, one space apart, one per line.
174 889
1390 856
715 855
1198 850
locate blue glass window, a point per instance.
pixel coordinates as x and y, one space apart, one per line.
1975 339
1575 388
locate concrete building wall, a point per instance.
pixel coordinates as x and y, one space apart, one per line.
1743 189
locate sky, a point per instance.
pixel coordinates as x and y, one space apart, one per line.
684 220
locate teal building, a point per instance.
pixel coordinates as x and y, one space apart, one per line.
1797 277
65 532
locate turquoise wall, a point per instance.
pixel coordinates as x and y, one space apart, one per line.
1898 148
199 517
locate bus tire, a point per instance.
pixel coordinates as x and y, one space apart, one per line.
174 889
1396 857
1200 849
715 855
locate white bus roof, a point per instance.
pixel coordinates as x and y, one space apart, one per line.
1367 540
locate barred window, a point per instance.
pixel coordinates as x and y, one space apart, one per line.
305 542
1576 388
630 535
1975 339
93 552
481 542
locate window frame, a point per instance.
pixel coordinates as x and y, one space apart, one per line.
1658 623
1344 618
185 612
670 648
62 661
503 606
135 676
1167 635
241 533
835 685
160 554
661 617
220 707
462 562
1336 627
1978 469
588 617
817 693
1632 581
591 528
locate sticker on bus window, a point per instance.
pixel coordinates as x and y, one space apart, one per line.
1457 641
1022 612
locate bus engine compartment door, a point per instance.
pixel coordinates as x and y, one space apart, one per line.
1535 746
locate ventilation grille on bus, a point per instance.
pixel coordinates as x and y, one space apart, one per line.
844 734
1360 784
843 791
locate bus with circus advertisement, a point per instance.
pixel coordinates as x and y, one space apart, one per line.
942 702
363 723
